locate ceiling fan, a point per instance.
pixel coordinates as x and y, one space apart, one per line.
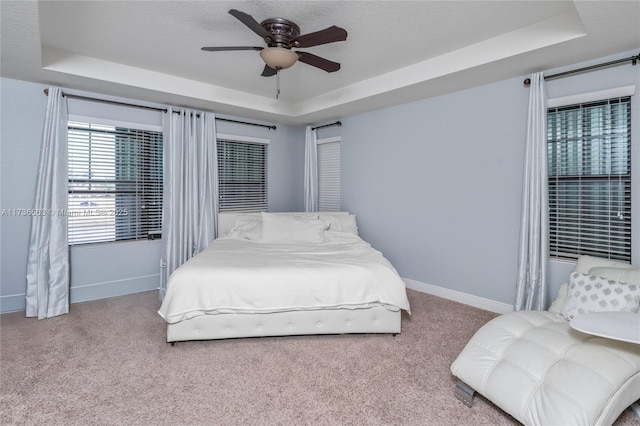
281 35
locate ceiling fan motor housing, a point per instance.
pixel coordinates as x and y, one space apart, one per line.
282 32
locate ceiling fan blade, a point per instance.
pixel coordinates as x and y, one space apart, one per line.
268 71
251 23
229 48
318 62
328 35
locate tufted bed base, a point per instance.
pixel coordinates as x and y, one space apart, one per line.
376 319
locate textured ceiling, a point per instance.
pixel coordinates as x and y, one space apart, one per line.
396 51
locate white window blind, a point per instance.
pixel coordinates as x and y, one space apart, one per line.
589 162
329 175
242 176
115 183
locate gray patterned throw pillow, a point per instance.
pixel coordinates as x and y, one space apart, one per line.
590 293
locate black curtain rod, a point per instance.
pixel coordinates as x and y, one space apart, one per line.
106 101
239 122
633 59
337 123
247 123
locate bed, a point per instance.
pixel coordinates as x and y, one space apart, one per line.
279 274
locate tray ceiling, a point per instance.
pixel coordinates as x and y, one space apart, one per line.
396 51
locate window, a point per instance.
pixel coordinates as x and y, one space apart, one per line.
329 174
115 183
242 175
589 159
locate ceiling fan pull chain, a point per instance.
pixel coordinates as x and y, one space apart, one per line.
277 83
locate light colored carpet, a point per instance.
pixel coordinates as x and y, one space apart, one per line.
107 363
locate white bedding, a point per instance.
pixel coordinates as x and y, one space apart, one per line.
243 276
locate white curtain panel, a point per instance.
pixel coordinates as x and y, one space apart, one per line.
531 286
310 171
190 195
47 292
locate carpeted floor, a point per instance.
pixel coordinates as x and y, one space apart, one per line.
107 363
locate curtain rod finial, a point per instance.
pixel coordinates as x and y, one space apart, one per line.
46 92
527 82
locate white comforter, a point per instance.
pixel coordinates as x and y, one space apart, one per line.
242 276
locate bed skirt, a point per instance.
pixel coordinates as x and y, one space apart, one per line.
376 319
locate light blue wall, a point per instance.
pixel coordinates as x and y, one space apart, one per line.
436 184
104 270
21 116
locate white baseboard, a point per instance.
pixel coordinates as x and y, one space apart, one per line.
12 303
103 290
458 296
94 291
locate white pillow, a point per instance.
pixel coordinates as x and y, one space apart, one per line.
590 293
607 268
623 275
284 228
247 228
586 262
340 222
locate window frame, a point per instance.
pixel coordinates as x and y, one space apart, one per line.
250 140
327 202
146 127
585 99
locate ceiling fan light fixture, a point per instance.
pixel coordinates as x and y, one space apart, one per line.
278 58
